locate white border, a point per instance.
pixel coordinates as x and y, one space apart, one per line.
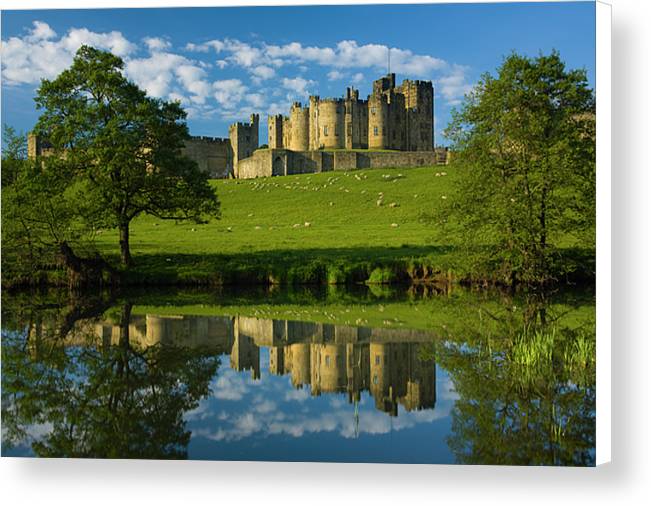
603 96
625 480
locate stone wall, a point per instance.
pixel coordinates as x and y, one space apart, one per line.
377 160
214 156
283 162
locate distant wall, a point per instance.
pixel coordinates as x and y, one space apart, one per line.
213 155
376 160
283 162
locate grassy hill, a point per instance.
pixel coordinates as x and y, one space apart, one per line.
376 224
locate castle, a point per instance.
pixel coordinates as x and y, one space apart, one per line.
327 358
393 127
398 118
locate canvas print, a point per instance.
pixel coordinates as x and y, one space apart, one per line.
310 233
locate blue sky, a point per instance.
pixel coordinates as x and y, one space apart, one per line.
225 63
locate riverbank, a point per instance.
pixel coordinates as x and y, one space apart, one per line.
379 226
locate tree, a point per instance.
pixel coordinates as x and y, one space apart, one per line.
42 217
524 144
14 154
125 147
95 399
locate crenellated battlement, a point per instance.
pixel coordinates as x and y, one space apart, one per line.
391 117
205 138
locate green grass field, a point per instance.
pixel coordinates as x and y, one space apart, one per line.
305 222
366 225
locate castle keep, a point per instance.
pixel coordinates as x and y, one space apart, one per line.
393 127
397 118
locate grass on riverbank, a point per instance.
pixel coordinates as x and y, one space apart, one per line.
376 225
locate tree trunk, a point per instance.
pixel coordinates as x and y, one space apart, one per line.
125 253
125 319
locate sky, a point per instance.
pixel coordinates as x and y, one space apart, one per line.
225 63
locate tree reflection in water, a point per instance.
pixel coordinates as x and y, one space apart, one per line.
75 384
100 400
526 387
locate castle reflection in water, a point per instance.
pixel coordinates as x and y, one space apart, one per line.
329 358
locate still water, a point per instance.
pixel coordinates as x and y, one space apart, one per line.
398 377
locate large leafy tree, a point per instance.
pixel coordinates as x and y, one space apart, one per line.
125 147
14 154
97 400
524 143
42 216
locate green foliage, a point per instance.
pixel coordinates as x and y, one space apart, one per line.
525 378
99 401
41 211
14 154
521 368
124 146
524 145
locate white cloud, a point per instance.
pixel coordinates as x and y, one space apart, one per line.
243 54
454 85
255 99
230 386
345 54
41 31
204 47
297 395
229 92
193 79
262 72
155 73
358 78
156 43
38 54
335 75
297 85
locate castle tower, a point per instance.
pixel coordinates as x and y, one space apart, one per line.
355 121
331 123
300 130
297 360
420 390
419 121
275 131
244 140
378 118
287 131
277 360
245 355
314 140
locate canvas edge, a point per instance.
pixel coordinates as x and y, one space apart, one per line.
603 18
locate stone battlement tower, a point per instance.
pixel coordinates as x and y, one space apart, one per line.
244 140
399 118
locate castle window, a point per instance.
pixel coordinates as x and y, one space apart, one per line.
375 131
325 131
327 360
377 359
336 131
372 110
375 379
